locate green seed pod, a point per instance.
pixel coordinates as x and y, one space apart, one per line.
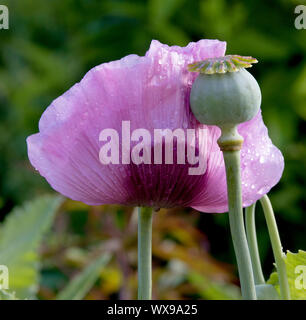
224 93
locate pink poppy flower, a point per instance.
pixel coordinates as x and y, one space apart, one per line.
150 92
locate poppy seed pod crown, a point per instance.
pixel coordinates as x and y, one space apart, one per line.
224 93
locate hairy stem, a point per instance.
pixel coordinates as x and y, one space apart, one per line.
144 253
276 247
253 246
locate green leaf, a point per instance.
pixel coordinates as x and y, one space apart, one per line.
7 295
296 272
214 290
82 283
20 236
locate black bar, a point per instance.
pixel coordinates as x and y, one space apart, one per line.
155 309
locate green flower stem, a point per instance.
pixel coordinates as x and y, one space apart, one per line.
232 165
277 247
252 242
144 253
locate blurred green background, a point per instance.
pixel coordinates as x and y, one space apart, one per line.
51 44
